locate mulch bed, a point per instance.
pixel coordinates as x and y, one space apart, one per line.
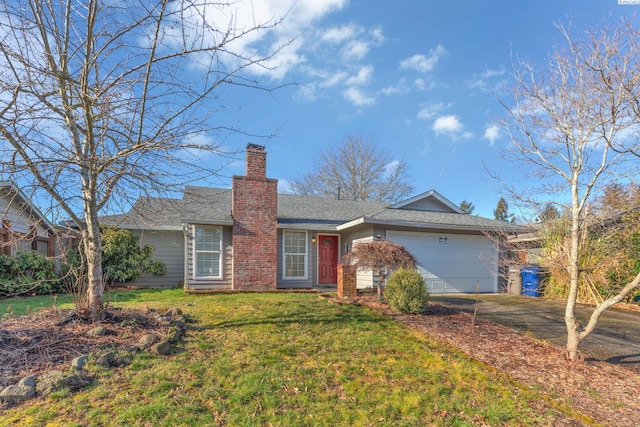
51 338
607 393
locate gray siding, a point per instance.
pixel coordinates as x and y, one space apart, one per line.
21 222
169 248
226 281
427 204
364 278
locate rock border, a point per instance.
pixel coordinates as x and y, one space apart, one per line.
76 376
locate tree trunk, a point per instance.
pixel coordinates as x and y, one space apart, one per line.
573 335
93 252
381 278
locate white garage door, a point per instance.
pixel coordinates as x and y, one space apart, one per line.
452 263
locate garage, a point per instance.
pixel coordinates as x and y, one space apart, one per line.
452 263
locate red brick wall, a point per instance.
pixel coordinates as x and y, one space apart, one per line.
255 210
347 285
256 162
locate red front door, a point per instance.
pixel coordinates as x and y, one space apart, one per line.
328 255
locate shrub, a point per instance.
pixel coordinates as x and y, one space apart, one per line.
27 272
380 256
124 259
406 291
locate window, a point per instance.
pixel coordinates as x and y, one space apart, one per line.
295 254
42 246
208 253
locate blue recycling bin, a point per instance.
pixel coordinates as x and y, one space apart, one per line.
530 281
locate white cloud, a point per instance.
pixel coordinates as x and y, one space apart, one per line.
492 133
451 126
284 186
308 92
297 16
340 34
337 61
399 88
430 110
423 63
480 81
420 84
334 79
353 41
447 124
356 49
376 35
465 135
362 78
358 97
392 167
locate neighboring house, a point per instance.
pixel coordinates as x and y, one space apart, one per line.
251 238
23 225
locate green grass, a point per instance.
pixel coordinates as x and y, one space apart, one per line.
288 360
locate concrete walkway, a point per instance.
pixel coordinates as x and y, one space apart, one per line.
616 339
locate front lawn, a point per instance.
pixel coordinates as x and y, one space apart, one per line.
288 360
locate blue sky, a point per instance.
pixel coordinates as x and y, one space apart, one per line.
414 75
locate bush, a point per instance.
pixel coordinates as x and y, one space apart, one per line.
406 291
27 272
124 259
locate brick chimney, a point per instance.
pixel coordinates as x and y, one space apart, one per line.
254 209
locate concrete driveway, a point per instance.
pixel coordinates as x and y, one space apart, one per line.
616 339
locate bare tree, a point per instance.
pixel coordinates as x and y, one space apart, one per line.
102 100
572 125
355 170
381 257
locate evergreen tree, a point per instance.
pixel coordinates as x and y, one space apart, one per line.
550 212
501 212
467 207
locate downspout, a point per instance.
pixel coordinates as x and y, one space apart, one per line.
185 264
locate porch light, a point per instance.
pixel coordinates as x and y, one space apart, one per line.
313 238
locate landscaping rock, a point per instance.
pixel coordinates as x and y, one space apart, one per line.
163 348
172 315
121 361
17 393
177 331
148 340
173 312
134 349
107 359
74 382
98 331
56 380
79 362
29 381
48 381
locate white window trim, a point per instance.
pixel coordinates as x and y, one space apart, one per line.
306 256
195 254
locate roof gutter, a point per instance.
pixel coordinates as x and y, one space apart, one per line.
424 225
206 222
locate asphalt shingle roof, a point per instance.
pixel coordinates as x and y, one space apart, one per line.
443 219
213 206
